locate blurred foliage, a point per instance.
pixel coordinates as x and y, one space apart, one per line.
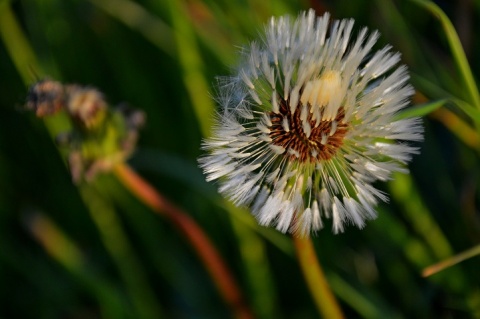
110 257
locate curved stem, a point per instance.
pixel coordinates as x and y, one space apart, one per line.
193 233
323 297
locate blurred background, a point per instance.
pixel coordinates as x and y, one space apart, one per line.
61 258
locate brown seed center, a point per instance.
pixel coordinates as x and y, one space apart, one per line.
287 130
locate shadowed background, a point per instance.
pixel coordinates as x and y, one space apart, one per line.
59 261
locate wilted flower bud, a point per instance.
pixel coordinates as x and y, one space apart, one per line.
100 137
86 106
46 98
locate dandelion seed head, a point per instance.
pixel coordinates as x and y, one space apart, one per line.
307 124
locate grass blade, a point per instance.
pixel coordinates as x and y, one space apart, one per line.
421 109
456 48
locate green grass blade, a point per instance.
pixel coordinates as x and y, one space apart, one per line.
404 191
432 90
121 251
451 261
420 110
139 19
17 44
257 269
359 298
456 48
192 66
61 248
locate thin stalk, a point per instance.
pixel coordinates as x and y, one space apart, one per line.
202 245
17 45
323 297
433 269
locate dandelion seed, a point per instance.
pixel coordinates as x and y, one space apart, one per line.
322 128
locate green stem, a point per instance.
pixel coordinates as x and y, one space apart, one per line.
323 297
117 244
17 44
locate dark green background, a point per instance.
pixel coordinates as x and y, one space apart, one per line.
164 62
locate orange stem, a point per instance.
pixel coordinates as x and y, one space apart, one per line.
198 239
433 269
323 297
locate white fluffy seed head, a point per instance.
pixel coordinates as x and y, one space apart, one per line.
307 124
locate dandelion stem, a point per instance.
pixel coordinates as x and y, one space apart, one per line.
317 283
197 238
